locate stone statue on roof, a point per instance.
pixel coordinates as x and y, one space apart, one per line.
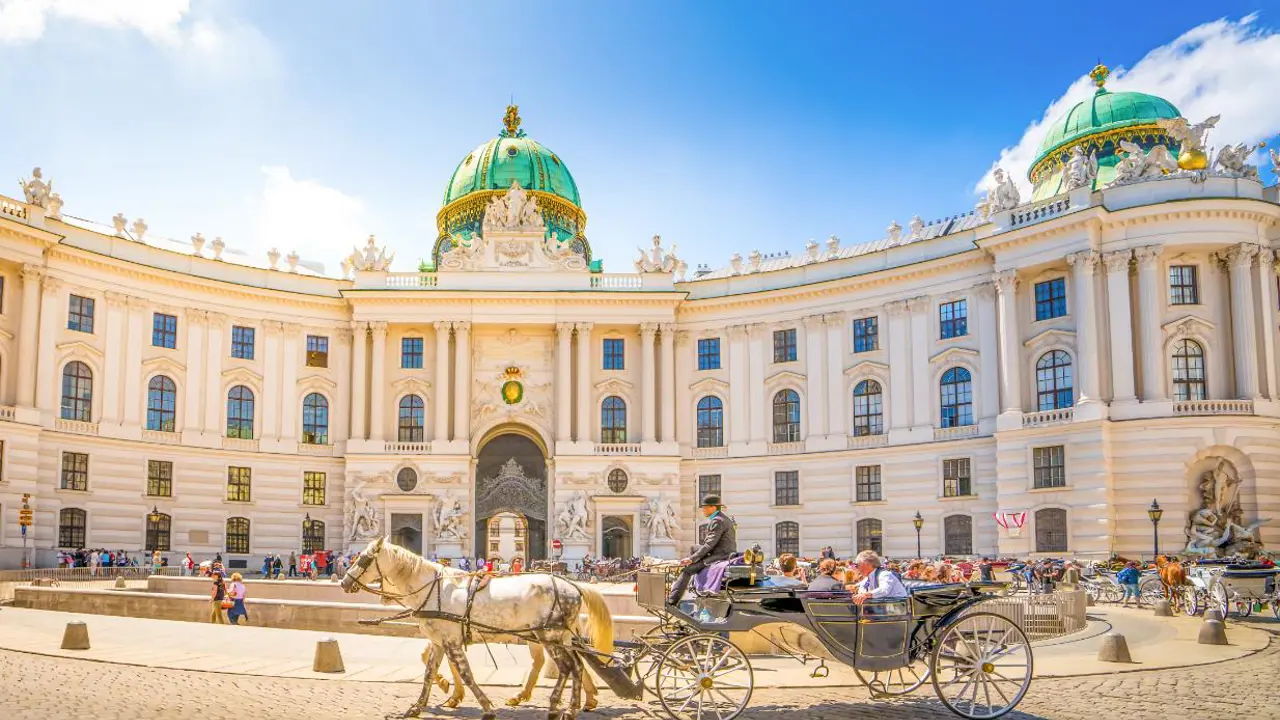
656 259
1080 170
36 190
514 211
1191 155
1137 165
1232 161
372 259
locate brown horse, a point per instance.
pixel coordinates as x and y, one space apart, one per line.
1172 577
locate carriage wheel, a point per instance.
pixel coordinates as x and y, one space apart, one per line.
982 665
1151 591
1275 606
704 677
1244 607
896 682
1221 600
1191 600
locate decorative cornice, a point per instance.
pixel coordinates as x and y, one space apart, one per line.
952 352
782 377
79 347
710 384
1052 335
166 364
869 368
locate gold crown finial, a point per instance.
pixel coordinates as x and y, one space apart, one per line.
511 120
1100 73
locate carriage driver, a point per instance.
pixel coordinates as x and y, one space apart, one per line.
877 583
721 543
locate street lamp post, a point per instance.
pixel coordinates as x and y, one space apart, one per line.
1154 512
919 523
152 531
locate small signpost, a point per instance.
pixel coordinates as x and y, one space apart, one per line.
24 522
557 546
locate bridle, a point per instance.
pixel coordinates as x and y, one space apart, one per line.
364 561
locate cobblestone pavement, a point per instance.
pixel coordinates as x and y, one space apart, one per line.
35 687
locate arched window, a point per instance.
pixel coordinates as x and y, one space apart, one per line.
71 528
162 403
412 419
237 535
868 408
240 413
1188 371
315 419
618 480
870 535
613 420
958 531
158 531
1053 381
312 536
788 537
957 398
77 392
786 416
710 422
1051 530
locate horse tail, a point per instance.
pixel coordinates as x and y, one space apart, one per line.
599 619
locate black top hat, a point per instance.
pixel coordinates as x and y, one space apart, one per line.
711 500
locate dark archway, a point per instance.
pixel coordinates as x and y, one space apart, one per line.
511 476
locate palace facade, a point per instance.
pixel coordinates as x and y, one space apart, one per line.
1059 361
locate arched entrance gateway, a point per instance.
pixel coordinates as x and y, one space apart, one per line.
511 491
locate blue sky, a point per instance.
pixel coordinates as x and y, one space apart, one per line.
722 126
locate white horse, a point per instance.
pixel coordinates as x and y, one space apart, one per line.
542 607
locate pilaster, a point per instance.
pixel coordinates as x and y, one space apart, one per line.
583 428
359 378
28 336
738 426
1239 261
900 390
1120 326
648 381
990 334
1267 302
1150 312
564 382
117 307
667 384
47 374
923 390
1006 282
377 383
837 401
1083 264
815 395
756 349
273 329
137 336
440 393
291 338
462 386
215 402
197 322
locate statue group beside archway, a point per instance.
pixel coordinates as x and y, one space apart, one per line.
1217 527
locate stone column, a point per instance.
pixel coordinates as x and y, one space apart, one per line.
289 399
564 382
341 410
921 413
1120 325
1239 261
990 339
213 398
815 395
271 381
440 392
28 335
682 406
1150 304
49 382
138 336
900 390
1010 348
1267 302
462 381
378 386
739 428
113 376
584 423
1082 269
648 382
760 405
359 377
197 322
667 383
837 400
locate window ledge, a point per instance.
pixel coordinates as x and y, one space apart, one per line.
239 502
166 498
70 491
1051 319
786 507
1056 488
954 498
954 338
318 507
869 502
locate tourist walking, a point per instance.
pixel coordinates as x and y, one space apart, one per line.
188 565
217 595
293 564
1128 579
237 593
155 562
341 562
277 568
322 562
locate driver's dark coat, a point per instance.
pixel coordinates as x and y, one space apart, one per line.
721 542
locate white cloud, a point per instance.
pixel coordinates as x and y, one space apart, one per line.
320 222
1221 67
159 20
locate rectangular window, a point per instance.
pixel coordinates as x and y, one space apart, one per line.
317 351
708 485
954 319
159 478
866 335
955 478
1051 299
313 488
786 487
411 353
238 481
80 314
75 471
1184 288
164 330
1049 467
614 354
709 354
71 528
242 342
867 485
784 345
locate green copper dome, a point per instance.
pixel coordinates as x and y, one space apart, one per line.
1103 112
512 157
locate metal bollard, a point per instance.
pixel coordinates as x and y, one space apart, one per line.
76 636
1114 649
328 657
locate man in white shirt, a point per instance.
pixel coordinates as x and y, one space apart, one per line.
877 583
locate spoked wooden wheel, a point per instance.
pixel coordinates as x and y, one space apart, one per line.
982 665
895 682
1191 602
704 677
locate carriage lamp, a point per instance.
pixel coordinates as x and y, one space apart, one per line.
154 517
1154 512
919 523
155 514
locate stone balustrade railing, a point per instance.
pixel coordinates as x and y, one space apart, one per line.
1213 407
408 448
616 281
617 449
857 442
75 426
711 452
1047 417
244 444
315 449
160 436
13 209
8 412
1037 212
786 448
953 433
413 281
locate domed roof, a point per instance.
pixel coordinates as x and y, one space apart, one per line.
512 157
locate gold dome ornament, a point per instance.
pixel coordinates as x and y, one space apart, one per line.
1193 160
1099 75
511 120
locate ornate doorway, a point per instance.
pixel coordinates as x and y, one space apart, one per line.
615 538
406 531
511 477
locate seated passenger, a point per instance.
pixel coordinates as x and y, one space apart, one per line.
720 544
877 583
826 581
